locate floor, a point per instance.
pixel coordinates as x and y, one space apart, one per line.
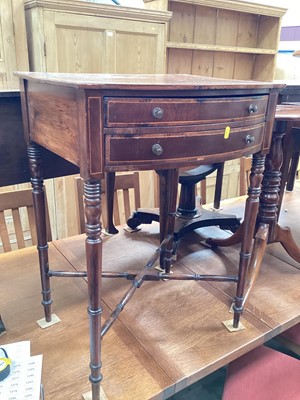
160 348
211 386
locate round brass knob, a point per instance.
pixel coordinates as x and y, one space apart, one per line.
158 112
249 139
252 109
157 149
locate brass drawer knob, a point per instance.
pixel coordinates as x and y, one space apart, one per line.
157 149
158 112
249 139
252 109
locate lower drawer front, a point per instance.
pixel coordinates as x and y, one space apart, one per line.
134 149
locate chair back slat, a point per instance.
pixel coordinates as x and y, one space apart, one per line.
16 208
117 219
32 226
4 233
245 169
126 201
80 205
137 193
18 228
124 184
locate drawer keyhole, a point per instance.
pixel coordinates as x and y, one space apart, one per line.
157 149
252 109
250 139
158 112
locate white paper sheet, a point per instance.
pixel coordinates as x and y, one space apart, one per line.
24 380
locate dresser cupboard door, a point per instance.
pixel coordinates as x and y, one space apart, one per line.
13 48
89 44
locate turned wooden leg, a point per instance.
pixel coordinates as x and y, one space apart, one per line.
110 192
35 165
258 163
258 251
168 198
2 326
93 245
218 191
292 172
286 144
269 197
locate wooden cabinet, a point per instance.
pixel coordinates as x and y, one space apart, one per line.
13 46
226 39
85 37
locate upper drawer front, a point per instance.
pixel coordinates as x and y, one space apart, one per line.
158 111
178 148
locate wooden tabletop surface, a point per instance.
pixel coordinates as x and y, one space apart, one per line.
288 112
143 81
170 334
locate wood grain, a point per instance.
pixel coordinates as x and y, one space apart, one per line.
168 337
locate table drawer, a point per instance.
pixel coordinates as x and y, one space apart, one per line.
158 111
124 150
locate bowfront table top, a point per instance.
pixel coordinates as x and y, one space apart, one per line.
106 123
177 119
143 81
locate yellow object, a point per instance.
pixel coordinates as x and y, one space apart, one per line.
227 132
5 363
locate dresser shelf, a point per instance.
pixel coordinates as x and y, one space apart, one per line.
225 39
209 47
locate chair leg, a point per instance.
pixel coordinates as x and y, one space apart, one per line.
2 326
292 172
218 190
203 191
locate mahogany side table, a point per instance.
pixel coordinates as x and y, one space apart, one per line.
109 123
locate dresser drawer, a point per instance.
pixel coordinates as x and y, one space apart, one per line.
190 146
159 111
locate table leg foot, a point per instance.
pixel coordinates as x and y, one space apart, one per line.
232 240
284 236
45 324
231 328
88 395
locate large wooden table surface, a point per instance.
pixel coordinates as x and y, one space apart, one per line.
170 334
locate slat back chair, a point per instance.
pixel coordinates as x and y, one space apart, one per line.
17 206
123 207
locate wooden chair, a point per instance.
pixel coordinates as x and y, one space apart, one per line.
188 215
122 204
17 206
263 374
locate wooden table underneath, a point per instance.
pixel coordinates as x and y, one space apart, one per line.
169 336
